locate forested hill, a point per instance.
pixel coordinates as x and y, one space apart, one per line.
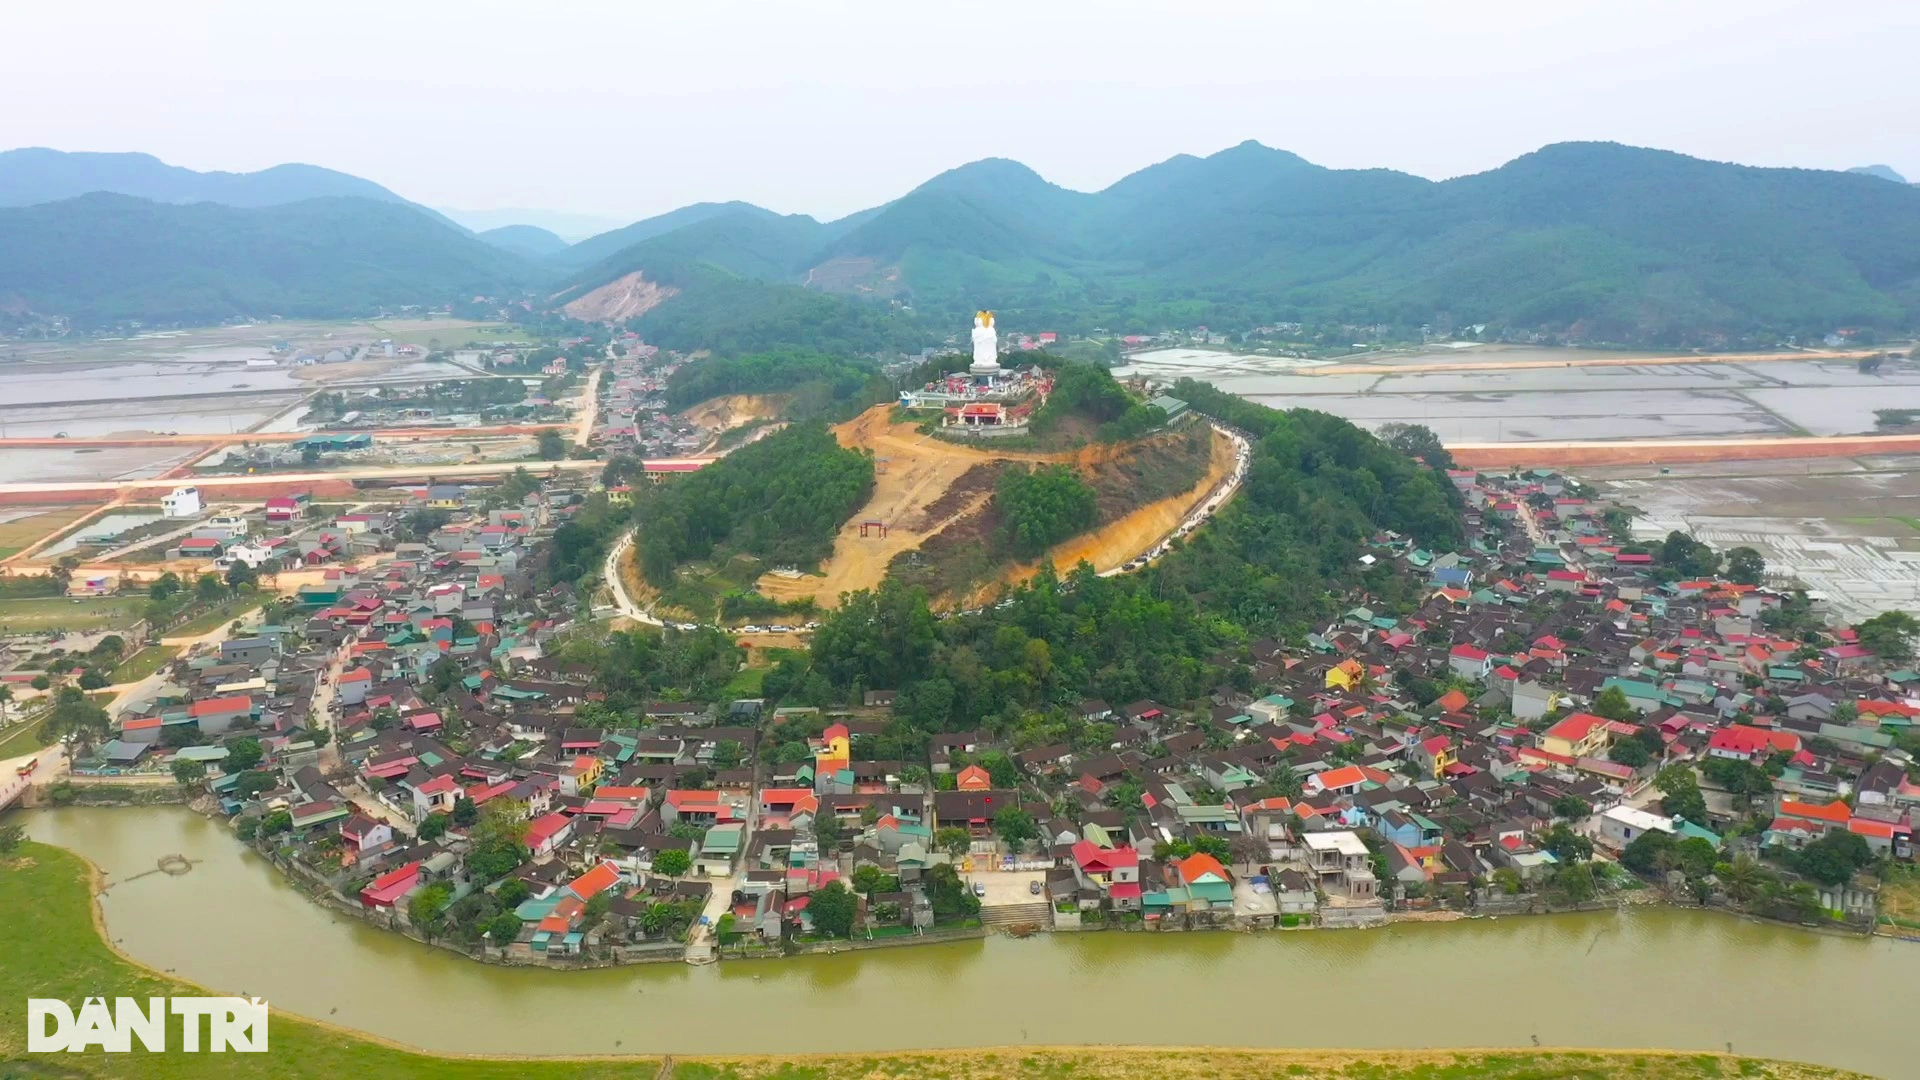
816 380
1599 241
731 312
101 259
1280 558
38 175
526 241
606 245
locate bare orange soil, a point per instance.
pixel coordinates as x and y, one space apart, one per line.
1114 544
731 410
913 471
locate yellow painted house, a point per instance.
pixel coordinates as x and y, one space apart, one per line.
1576 736
1438 752
1345 675
834 752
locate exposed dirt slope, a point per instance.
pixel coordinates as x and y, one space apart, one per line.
1114 543
926 488
732 410
623 298
913 472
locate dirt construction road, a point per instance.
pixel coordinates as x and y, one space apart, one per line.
912 472
1114 544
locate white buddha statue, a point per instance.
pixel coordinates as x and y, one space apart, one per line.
986 345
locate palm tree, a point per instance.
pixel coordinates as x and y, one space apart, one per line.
1741 878
654 918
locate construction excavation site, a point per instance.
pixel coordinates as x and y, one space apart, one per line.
929 521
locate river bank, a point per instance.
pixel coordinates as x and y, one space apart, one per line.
56 943
1684 980
318 889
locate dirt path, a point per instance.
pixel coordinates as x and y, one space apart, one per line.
589 408
912 472
1115 544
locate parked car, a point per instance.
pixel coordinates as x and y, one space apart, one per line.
979 889
1033 888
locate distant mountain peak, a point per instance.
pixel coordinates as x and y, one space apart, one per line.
1254 149
528 241
1884 172
39 174
993 170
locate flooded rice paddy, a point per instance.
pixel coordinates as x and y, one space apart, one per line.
1536 404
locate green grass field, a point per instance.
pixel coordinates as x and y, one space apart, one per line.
143 663
216 617
63 613
745 684
50 947
452 334
19 739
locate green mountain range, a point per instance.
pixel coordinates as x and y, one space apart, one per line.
36 174
1605 241
1594 241
101 259
606 245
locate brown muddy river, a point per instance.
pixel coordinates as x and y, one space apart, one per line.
1654 978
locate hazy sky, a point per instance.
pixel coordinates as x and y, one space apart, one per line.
629 107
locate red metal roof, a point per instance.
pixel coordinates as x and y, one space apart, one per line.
215 706
388 888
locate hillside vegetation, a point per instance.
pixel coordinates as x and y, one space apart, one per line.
780 499
1587 241
527 241
1318 489
1595 240
816 380
1040 507
730 311
101 259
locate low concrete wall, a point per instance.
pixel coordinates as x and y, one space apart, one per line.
929 938
1347 918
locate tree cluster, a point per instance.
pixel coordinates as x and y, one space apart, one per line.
1091 392
1038 508
782 499
812 376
